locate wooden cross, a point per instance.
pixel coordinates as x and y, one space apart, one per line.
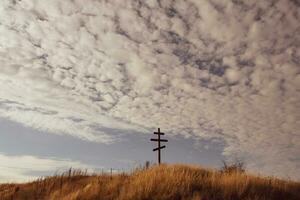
159 140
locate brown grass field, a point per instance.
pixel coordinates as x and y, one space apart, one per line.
165 182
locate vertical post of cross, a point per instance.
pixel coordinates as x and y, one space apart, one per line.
159 146
159 140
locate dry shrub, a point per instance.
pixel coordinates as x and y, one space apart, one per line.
233 167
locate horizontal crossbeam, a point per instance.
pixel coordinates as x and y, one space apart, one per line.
162 147
158 133
161 140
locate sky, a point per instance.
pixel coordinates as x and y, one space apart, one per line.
84 83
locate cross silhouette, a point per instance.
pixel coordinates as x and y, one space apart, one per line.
159 140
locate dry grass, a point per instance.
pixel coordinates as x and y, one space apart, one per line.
165 182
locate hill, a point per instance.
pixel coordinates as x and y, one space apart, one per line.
165 182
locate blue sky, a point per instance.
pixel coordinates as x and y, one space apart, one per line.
92 78
131 151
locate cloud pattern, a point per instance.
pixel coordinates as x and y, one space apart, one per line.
207 69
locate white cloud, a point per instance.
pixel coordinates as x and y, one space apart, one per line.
23 168
211 69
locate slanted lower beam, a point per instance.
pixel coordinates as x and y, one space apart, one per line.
159 148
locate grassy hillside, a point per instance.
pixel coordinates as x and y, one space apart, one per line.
165 182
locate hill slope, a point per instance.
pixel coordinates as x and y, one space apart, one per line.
165 182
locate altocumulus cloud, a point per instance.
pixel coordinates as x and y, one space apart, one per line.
214 70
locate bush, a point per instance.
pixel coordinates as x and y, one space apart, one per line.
233 167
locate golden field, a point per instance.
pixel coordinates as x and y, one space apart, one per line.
164 182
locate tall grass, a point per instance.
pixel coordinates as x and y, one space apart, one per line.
165 182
